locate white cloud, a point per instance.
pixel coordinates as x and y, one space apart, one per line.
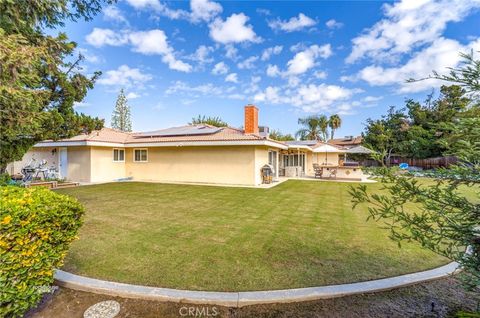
333 24
144 4
442 54
232 78
220 69
202 54
320 74
88 56
320 97
408 25
273 71
124 76
305 60
132 95
112 13
204 10
100 37
233 30
270 95
268 52
247 63
309 98
372 99
160 8
294 24
231 52
152 42
155 42
200 10
204 89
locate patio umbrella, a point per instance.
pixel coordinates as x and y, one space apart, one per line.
326 148
359 150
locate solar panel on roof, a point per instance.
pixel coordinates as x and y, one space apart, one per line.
180 131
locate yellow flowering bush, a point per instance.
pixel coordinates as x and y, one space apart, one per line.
36 229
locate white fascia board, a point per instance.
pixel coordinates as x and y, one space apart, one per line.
162 144
293 147
78 143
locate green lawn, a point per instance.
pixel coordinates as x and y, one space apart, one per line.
297 234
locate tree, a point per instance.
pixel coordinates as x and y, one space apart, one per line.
384 134
314 127
121 119
277 135
323 124
212 121
447 221
334 122
39 82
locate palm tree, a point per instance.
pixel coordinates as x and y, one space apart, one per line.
334 123
314 127
323 124
310 130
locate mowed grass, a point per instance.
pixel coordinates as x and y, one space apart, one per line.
297 234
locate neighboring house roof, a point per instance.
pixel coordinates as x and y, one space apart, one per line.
360 150
184 135
348 141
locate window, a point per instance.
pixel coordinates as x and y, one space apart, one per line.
140 155
293 160
118 155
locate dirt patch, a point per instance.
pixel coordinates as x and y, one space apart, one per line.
441 298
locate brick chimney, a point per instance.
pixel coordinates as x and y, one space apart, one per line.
251 119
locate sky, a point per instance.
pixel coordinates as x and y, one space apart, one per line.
180 59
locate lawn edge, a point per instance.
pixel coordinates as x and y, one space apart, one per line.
245 298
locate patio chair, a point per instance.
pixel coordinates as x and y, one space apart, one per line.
333 173
318 171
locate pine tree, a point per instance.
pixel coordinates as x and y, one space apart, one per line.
121 119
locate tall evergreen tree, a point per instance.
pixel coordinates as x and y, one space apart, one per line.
40 79
121 118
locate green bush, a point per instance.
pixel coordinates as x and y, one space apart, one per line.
36 229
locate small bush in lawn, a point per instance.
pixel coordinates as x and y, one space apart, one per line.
36 229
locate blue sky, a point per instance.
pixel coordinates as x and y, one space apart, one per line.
179 59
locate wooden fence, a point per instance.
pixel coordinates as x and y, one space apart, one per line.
428 163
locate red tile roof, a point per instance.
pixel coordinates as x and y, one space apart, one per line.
116 136
346 142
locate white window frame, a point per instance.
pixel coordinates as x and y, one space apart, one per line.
119 149
135 149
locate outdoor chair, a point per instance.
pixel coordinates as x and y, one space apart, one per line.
318 170
333 173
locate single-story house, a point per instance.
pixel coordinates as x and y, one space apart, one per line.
192 153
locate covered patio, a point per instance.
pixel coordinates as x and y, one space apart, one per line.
320 160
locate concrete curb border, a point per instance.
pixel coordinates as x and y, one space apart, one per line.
240 299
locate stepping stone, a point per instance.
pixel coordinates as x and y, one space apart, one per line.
103 309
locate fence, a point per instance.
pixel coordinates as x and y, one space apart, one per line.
428 163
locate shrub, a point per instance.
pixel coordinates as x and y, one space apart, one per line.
36 229
4 179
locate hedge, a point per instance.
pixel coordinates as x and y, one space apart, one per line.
36 229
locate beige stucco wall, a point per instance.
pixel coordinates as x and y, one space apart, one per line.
103 168
38 154
221 164
261 159
238 165
79 164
